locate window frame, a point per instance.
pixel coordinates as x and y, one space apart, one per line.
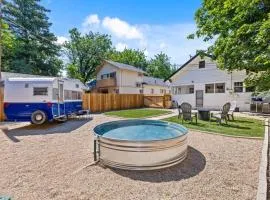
46 93
206 89
202 64
217 90
238 87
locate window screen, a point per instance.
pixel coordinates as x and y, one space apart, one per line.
220 88
238 86
40 91
209 88
202 64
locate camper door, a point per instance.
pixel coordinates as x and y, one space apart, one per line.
58 95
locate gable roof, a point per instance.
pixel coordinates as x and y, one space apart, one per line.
148 80
125 66
182 66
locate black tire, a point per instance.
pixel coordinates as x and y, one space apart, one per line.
38 117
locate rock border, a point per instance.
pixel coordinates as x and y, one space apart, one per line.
262 185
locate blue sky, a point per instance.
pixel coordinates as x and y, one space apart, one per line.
152 26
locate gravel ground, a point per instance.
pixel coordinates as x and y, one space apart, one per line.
50 162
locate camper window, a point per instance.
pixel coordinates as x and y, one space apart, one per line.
40 91
74 95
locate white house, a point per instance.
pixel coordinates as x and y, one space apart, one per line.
200 83
157 86
114 77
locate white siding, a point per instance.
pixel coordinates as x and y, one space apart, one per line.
192 75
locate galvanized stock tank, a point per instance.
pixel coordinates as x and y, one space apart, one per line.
140 144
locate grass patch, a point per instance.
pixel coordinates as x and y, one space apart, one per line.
239 127
138 113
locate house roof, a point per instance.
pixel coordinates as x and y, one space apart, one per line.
185 64
11 75
148 80
125 66
31 79
6 75
182 66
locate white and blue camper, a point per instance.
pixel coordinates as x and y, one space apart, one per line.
41 99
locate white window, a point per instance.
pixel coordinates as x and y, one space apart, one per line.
238 86
209 88
191 90
67 94
220 88
161 91
152 91
40 91
202 64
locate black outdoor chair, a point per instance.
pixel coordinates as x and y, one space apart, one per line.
223 115
186 113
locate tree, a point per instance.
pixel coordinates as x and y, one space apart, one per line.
8 44
160 66
36 51
132 57
85 53
241 30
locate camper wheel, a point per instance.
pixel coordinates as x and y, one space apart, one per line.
38 117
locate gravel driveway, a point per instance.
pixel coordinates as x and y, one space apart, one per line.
48 162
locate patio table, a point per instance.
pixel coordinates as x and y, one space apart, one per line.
204 113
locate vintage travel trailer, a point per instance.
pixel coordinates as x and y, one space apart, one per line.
41 99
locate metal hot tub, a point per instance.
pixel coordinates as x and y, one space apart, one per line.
140 144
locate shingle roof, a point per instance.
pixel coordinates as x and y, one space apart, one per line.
154 81
125 66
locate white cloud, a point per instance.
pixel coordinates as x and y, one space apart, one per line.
121 46
152 39
121 28
90 20
162 45
61 39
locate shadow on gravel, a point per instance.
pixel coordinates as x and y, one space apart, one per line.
190 167
44 129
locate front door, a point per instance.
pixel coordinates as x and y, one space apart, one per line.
61 105
199 98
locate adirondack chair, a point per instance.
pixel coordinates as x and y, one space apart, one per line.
223 114
187 114
232 109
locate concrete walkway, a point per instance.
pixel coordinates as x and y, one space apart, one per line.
174 113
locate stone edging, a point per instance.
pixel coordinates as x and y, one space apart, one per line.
262 186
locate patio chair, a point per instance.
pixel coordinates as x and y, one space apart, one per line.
187 114
223 114
232 109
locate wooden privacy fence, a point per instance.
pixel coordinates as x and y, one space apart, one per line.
157 101
105 102
97 102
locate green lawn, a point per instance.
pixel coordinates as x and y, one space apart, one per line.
137 113
240 127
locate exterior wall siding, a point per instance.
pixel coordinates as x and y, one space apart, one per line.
192 75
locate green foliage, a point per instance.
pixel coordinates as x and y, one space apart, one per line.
239 127
35 49
138 113
160 66
8 44
132 57
85 53
241 30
